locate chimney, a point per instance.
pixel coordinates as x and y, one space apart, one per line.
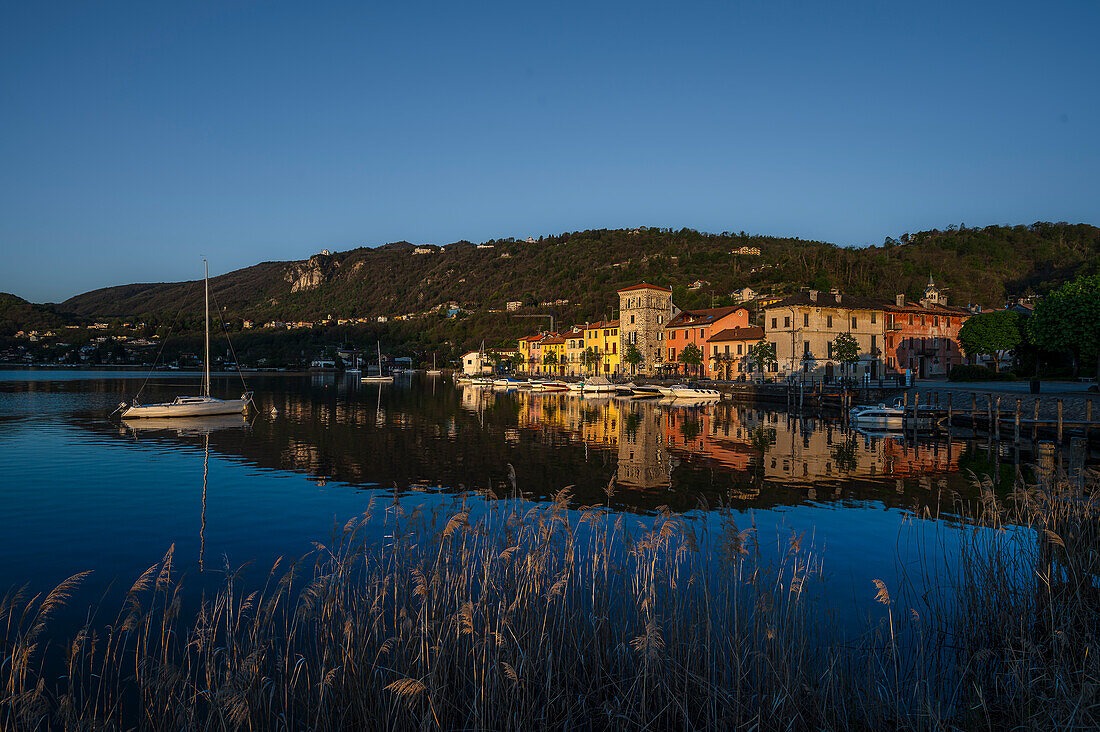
899 300
813 295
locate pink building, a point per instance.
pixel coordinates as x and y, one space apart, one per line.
695 327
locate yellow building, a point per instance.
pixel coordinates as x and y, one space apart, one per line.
574 348
603 338
553 360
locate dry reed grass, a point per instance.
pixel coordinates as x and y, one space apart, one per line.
505 615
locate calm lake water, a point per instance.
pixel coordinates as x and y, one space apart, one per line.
85 491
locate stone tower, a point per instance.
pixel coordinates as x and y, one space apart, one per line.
644 311
932 294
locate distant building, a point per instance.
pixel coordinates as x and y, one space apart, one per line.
747 251
745 294
698 284
484 246
382 319
514 305
247 324
474 363
423 250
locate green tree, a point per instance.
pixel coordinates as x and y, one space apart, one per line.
691 356
550 358
1069 320
763 356
633 358
591 358
993 334
846 350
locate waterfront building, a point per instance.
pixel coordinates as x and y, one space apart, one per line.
474 363
803 328
553 350
694 327
644 311
728 352
603 338
923 337
574 350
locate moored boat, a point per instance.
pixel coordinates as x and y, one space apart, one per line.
695 392
598 385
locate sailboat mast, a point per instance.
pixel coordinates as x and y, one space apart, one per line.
206 357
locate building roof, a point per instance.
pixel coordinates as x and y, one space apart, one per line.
932 309
553 339
603 324
531 338
646 286
701 317
832 300
752 333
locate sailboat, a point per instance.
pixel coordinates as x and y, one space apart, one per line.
433 371
378 378
354 370
193 406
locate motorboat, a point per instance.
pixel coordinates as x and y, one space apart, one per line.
878 416
191 406
646 391
695 392
667 390
576 385
481 381
555 386
598 385
508 381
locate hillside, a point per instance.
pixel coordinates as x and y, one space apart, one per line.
18 314
984 266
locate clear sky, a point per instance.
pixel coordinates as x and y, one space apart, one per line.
135 137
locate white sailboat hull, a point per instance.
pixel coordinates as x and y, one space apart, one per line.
187 407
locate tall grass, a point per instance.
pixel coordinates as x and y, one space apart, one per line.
501 614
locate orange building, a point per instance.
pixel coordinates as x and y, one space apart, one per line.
694 327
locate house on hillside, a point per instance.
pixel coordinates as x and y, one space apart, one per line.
747 251
745 294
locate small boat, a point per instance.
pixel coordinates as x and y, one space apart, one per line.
598 385
576 385
695 392
667 390
322 365
192 406
354 370
378 378
645 392
433 371
481 381
509 381
877 416
555 386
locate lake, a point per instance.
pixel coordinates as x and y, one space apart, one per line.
87 491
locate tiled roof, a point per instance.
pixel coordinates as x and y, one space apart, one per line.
752 333
700 317
645 286
553 340
829 300
916 307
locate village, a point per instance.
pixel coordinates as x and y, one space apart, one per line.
816 335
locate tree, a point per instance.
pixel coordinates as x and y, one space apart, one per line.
763 356
550 358
846 350
691 356
591 358
993 334
633 358
1067 320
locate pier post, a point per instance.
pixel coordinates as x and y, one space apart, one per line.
949 410
1059 421
1035 422
1088 418
989 413
997 420
973 414
1016 431
916 407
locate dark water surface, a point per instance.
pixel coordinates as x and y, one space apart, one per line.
84 491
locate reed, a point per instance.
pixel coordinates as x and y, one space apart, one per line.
501 614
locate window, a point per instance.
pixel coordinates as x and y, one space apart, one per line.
829 350
702 333
672 354
739 345
874 317
805 348
614 348
874 342
828 321
774 326
910 318
660 319
786 322
716 349
854 322
935 321
805 320
922 320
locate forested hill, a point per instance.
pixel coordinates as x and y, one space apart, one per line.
986 266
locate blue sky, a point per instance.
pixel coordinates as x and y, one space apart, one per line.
136 137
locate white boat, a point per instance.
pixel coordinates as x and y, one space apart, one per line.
667 390
694 392
646 391
576 385
510 382
598 385
555 386
481 381
378 378
433 371
192 406
354 370
877 416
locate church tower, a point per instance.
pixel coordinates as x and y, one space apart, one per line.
644 311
